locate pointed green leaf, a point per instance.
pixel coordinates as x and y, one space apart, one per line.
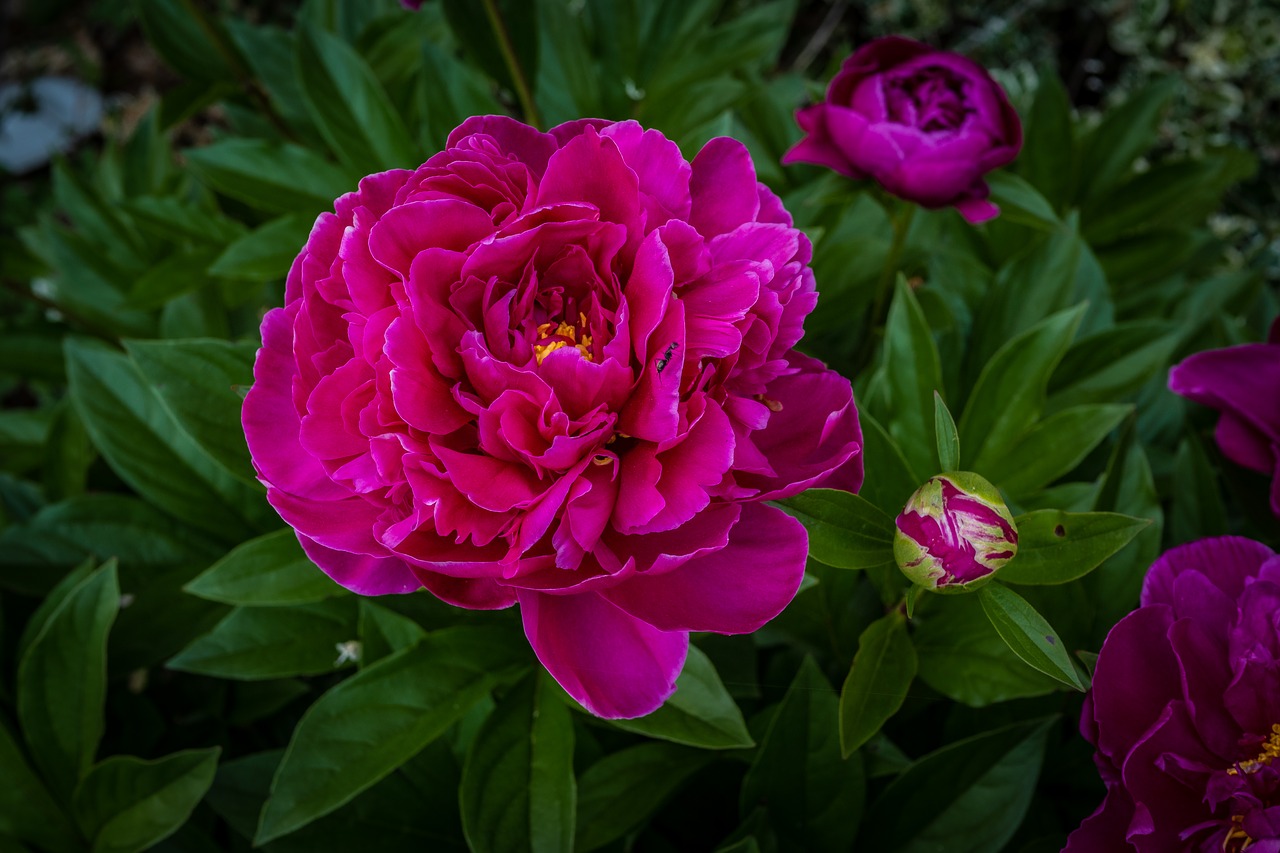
1053 447
621 790
268 571
967 797
1125 133
962 657
1057 547
1026 632
62 681
370 724
27 810
813 795
889 479
384 632
945 435
126 804
349 105
270 176
700 713
913 373
1009 395
518 791
256 643
151 449
1020 202
265 253
845 530
878 680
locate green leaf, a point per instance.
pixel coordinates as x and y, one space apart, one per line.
945 435
967 797
889 479
270 571
845 530
181 272
68 453
62 681
349 105
962 657
1177 194
256 643
1198 511
1053 447
266 253
148 445
878 680
1019 202
1027 633
126 804
384 632
182 38
813 795
700 713
27 810
1049 158
518 792
1009 395
1030 287
1125 132
197 380
913 373
269 52
51 602
274 177
367 726
621 790
1056 547
1108 365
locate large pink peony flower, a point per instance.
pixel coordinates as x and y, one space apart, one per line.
557 369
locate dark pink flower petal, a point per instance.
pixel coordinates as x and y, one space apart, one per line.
1226 560
813 437
733 590
1131 688
361 573
723 187
611 662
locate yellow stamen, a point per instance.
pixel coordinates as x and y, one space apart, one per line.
1270 751
1237 840
564 335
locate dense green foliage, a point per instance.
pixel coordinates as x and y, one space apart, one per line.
176 673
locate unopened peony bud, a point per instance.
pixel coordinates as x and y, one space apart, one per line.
954 533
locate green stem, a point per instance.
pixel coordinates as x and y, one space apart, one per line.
884 287
523 93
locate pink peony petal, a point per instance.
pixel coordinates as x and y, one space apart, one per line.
734 590
723 187
361 573
617 666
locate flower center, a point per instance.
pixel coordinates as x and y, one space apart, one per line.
563 335
1270 750
1237 839
931 99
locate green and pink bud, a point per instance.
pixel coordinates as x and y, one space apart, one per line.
954 534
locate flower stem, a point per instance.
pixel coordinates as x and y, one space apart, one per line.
523 93
879 308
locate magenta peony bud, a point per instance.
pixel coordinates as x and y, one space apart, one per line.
954 533
924 124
